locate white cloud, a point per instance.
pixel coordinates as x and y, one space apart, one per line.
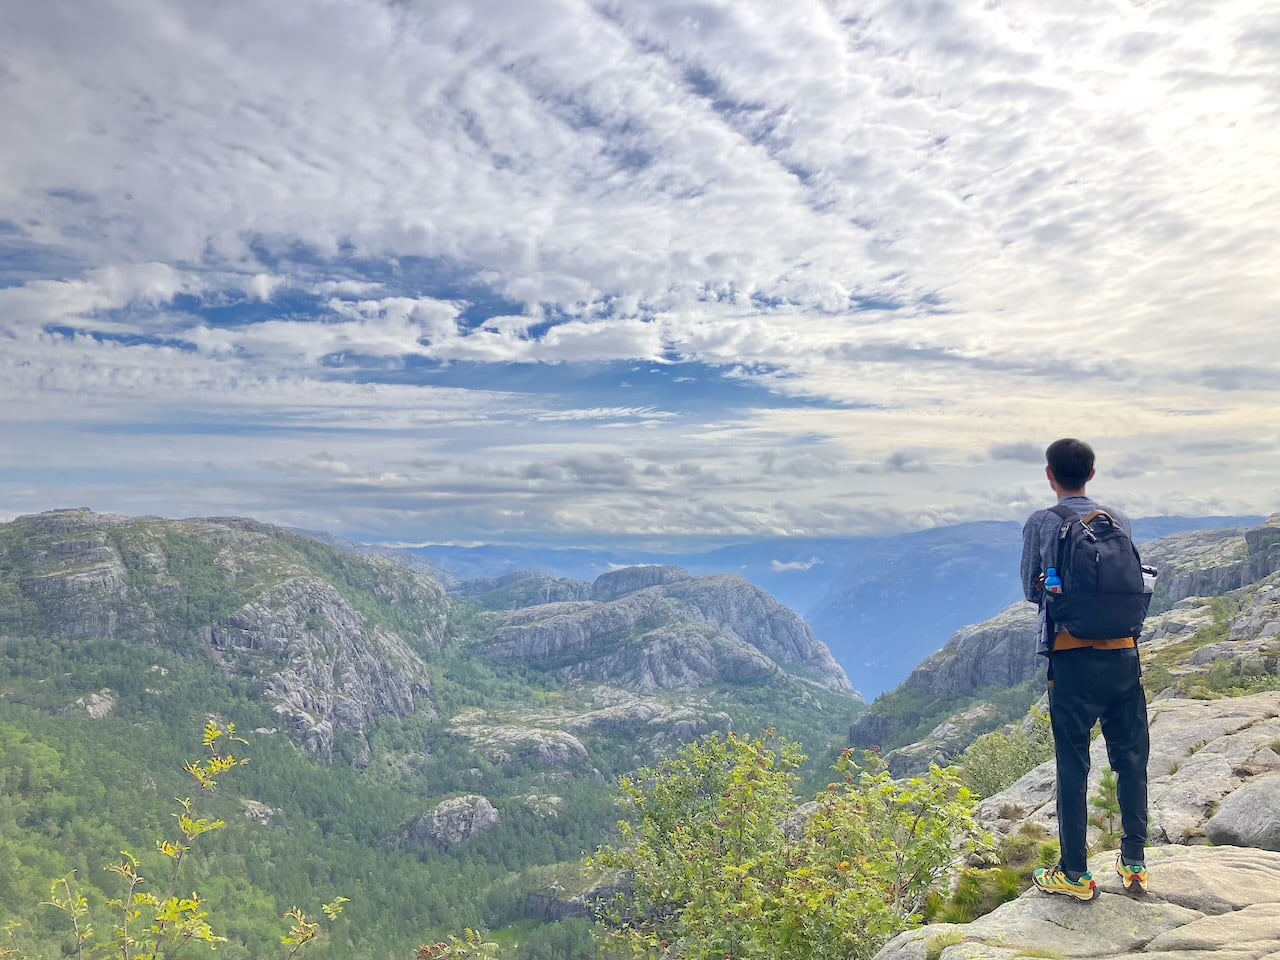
791 566
955 230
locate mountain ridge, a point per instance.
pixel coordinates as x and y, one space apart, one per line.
865 597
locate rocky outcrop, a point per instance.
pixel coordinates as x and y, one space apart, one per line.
257 811
1236 636
643 718
553 737
1200 907
69 580
450 823
998 653
742 611
1209 563
522 589
333 637
681 656
543 805
1202 752
619 583
944 743
657 628
505 745
326 669
98 705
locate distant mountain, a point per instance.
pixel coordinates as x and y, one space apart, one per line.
881 604
654 628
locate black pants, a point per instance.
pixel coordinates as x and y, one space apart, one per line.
1087 686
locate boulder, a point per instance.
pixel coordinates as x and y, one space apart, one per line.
257 811
450 823
1249 817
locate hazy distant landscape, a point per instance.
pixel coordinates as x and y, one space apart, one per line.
882 604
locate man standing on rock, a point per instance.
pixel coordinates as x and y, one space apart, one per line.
1090 621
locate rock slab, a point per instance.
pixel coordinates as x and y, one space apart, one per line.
1205 903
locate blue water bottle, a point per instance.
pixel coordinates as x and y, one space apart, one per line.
1052 582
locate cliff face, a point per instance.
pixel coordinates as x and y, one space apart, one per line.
450 823
1210 563
657 628
998 653
325 667
256 599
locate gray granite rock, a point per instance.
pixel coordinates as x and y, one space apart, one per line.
1202 751
551 736
944 743
657 628
327 670
1249 816
1220 903
505 744
451 823
98 705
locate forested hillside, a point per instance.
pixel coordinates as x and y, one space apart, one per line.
396 758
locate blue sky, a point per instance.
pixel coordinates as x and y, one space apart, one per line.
560 270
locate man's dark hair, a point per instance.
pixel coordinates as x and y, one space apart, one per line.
1071 462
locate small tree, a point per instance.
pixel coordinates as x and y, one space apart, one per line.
1107 804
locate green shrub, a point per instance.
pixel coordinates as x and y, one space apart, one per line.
997 760
714 872
979 891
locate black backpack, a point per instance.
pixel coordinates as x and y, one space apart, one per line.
1103 595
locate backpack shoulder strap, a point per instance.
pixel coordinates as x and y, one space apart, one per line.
1068 517
1066 514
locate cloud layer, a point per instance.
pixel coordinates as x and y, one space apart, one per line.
562 268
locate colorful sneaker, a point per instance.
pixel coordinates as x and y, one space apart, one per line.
1132 875
1055 880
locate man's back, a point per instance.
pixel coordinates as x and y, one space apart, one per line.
1040 539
